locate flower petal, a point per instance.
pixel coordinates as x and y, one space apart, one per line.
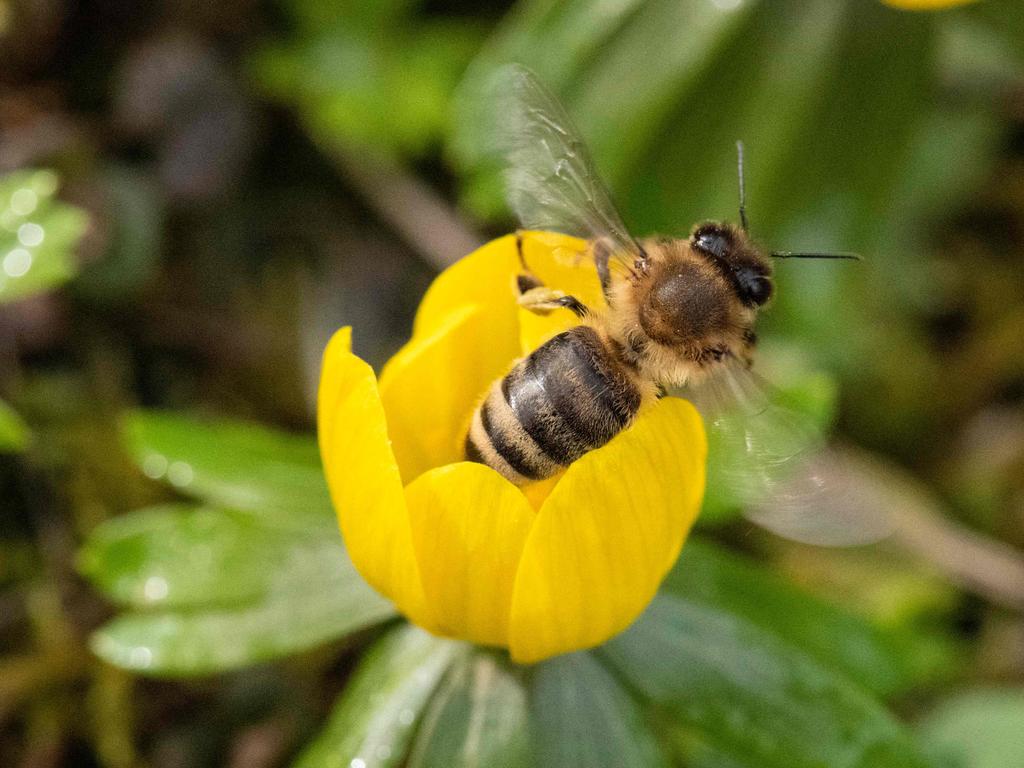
466 335
363 478
468 526
608 533
429 389
484 278
563 262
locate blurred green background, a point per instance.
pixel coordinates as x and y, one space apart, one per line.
193 196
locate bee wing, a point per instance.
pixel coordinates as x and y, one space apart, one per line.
550 178
777 463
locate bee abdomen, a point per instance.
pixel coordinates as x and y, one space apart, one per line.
569 397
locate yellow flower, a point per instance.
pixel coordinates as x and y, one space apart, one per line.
925 5
554 567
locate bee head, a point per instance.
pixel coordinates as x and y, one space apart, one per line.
731 252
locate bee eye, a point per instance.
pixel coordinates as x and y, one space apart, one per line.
754 288
713 240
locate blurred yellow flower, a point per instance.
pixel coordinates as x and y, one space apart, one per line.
925 5
550 568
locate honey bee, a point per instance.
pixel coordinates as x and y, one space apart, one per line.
683 308
679 316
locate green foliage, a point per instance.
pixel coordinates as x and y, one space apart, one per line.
275 476
1000 25
375 718
187 556
367 76
688 679
13 432
477 717
582 718
752 696
259 574
298 616
37 235
979 729
885 662
217 591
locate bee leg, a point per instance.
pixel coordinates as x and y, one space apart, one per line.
539 299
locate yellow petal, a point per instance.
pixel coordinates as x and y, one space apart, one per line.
484 278
466 335
430 388
538 492
925 5
564 263
487 277
608 533
468 525
363 478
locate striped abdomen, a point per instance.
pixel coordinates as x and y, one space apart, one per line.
568 397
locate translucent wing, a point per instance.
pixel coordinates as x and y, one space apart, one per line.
550 179
778 466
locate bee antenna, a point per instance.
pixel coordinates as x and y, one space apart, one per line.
743 186
811 255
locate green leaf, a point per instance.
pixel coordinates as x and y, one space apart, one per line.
363 84
182 556
582 718
883 662
1002 21
13 432
37 235
478 717
263 578
979 729
752 696
234 464
374 720
311 597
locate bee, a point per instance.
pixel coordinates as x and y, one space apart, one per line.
679 320
683 308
